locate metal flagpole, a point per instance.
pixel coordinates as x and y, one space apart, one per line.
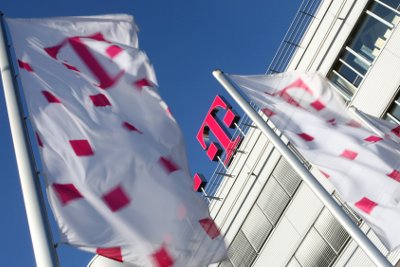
43 247
369 248
365 121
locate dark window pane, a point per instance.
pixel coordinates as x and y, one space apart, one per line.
369 38
342 84
348 74
395 110
384 13
355 62
393 3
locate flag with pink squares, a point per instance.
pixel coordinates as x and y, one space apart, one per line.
112 154
363 165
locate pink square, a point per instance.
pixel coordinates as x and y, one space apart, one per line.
318 105
39 140
354 124
111 253
351 155
168 165
366 205
100 100
162 258
396 131
66 192
113 50
332 122
325 174
199 182
209 227
50 97
70 67
230 118
130 127
306 137
24 65
143 83
373 139
395 174
268 112
116 199
81 148
54 50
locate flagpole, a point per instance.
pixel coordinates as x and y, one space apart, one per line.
365 121
355 232
45 254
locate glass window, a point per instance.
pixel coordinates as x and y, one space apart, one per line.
392 3
346 88
348 73
359 65
385 13
364 45
370 37
393 112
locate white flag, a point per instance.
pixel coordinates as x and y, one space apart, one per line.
364 167
112 154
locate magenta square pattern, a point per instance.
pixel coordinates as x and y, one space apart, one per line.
66 193
116 199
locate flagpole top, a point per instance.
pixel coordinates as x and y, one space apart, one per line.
217 73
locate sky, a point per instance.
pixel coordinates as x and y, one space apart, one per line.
185 41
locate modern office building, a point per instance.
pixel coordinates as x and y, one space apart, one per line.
268 215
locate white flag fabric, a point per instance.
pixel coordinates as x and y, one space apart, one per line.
112 154
363 166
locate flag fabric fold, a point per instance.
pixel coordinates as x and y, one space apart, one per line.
112 154
363 166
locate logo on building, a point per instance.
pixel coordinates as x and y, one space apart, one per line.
220 129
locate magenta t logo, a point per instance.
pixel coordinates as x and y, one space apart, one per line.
87 57
212 124
298 85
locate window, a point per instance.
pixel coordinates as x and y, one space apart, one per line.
393 112
364 45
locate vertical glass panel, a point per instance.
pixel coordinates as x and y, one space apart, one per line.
369 38
384 13
241 253
256 227
273 200
314 251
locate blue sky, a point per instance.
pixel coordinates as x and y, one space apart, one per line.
185 40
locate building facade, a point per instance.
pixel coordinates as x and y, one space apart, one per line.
268 216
